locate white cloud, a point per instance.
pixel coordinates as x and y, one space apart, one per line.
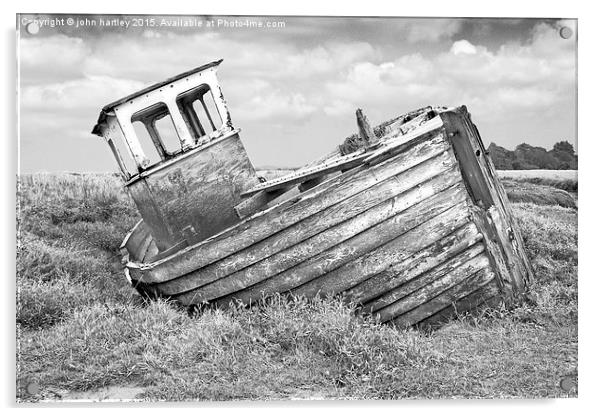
530 77
65 112
51 59
155 55
275 105
338 108
529 98
325 59
89 92
463 47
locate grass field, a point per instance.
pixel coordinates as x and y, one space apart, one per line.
543 174
562 179
84 333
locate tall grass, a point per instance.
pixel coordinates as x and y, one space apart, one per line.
82 328
561 179
69 231
525 191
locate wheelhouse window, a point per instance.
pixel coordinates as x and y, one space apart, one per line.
156 133
152 152
123 156
199 110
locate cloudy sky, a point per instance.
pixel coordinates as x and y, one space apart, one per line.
293 89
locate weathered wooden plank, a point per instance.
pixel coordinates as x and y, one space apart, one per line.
499 249
333 154
307 185
476 182
134 238
428 285
441 301
489 171
511 242
143 247
519 249
287 198
394 129
168 252
151 252
383 257
508 232
264 224
482 296
446 204
320 243
418 120
254 203
323 231
397 144
299 176
433 254
505 231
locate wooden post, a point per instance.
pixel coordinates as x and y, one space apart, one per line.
365 130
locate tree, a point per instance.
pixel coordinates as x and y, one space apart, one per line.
565 154
502 158
525 156
535 157
564 146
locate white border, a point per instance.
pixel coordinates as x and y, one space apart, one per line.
590 152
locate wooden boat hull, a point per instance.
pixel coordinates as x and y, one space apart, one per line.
419 231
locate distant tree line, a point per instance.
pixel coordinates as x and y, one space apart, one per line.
562 157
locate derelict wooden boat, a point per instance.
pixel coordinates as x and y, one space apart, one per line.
408 220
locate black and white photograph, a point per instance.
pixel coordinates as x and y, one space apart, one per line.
245 207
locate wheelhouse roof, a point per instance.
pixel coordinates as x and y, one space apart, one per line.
109 107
